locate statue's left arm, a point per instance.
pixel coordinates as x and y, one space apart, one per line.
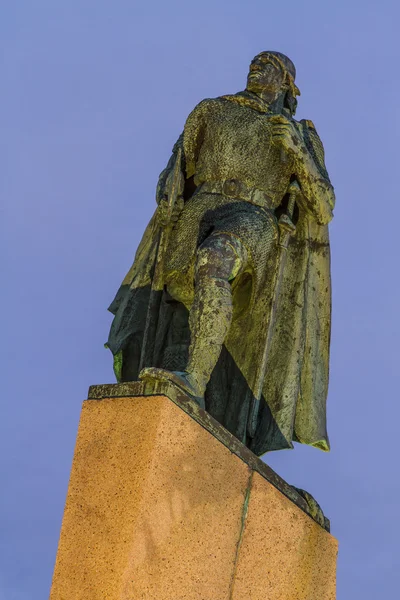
318 192
162 185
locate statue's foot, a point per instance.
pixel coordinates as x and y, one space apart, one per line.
185 381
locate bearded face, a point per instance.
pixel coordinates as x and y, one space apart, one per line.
266 76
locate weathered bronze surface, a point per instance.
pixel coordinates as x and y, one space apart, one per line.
229 295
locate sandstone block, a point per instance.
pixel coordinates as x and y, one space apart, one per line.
163 503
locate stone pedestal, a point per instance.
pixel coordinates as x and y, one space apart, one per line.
163 503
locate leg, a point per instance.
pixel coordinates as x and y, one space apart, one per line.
219 260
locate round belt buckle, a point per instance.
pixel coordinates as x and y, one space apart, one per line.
230 187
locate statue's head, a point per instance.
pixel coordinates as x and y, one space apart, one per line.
272 74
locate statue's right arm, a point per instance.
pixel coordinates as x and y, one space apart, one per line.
193 135
189 142
162 180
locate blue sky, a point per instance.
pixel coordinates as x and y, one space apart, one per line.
94 95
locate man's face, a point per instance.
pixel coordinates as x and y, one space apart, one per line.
265 75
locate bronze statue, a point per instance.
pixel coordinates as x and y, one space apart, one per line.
229 295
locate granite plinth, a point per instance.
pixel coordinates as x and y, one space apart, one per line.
163 503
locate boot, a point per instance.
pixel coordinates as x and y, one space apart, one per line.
180 378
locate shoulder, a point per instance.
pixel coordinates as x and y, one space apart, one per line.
207 105
305 125
309 130
308 123
202 113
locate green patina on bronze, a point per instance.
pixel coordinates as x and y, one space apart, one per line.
229 295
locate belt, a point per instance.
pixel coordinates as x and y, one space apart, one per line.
234 188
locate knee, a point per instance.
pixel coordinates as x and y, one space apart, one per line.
220 257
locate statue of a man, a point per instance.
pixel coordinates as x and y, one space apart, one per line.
245 338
